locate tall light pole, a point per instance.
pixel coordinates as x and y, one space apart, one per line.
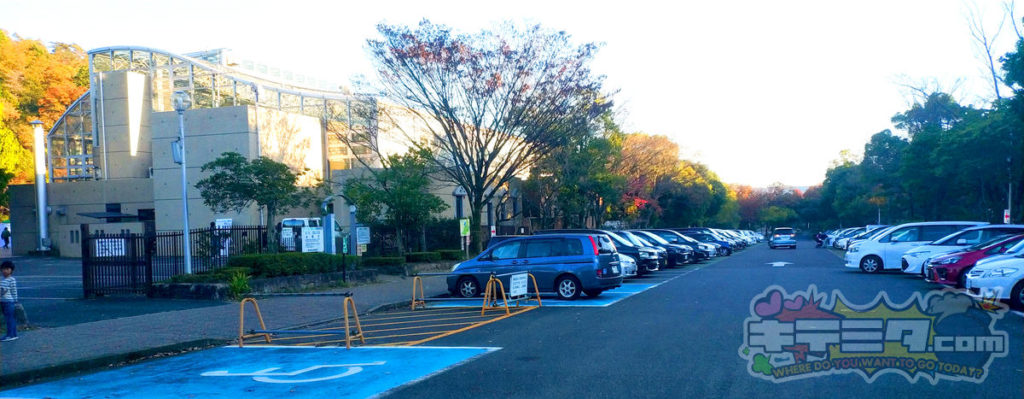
183 101
38 137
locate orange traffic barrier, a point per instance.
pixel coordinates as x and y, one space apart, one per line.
241 322
491 296
348 331
417 282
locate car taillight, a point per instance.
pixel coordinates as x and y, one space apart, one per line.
600 272
594 244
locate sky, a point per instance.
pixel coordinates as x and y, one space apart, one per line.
760 91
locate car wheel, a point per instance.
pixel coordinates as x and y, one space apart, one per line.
1017 295
871 264
592 293
961 281
567 288
467 287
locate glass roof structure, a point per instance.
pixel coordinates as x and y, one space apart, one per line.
72 140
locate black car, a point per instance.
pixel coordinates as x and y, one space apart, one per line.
678 255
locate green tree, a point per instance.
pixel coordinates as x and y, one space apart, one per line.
236 183
397 195
5 210
492 104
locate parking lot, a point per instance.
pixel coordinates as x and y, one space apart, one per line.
678 335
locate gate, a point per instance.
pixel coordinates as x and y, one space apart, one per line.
130 263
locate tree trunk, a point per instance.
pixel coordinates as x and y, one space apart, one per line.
272 232
400 241
476 234
423 238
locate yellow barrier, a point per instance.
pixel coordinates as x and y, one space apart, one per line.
348 332
241 322
418 282
489 293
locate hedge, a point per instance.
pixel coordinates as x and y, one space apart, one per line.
452 254
423 256
373 261
291 263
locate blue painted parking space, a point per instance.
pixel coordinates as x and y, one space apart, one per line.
263 372
606 298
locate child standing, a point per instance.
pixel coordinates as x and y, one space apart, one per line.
9 297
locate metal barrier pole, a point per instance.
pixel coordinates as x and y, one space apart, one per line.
536 289
417 281
489 291
241 322
359 327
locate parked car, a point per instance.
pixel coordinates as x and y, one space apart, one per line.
871 230
840 242
648 259
723 247
1001 279
677 255
566 264
913 260
782 237
952 268
884 250
682 247
628 266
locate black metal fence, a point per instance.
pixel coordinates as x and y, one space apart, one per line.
131 263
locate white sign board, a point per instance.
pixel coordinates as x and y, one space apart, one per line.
1006 216
312 239
109 247
222 224
362 235
517 285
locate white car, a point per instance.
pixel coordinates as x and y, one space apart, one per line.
1000 279
628 265
885 249
844 239
914 260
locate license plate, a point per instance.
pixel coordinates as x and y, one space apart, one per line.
615 269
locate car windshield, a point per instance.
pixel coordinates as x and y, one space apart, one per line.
633 238
619 240
654 237
988 243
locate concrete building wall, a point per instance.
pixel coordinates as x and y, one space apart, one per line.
208 133
125 105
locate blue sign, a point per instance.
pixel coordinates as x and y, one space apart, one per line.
263 372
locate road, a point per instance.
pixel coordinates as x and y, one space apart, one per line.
683 339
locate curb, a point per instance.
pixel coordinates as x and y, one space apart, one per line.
82 366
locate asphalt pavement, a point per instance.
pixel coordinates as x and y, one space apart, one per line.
683 339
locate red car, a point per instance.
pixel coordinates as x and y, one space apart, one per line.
952 268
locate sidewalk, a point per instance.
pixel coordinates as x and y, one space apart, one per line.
50 352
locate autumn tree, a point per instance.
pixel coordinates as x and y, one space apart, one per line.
491 104
645 160
36 82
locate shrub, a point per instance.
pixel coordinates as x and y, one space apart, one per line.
451 254
376 261
292 263
423 256
238 284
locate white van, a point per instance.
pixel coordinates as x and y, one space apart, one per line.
291 231
885 250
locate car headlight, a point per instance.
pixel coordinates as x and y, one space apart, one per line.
915 253
1002 272
648 255
854 248
949 261
456 266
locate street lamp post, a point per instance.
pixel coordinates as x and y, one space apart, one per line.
183 101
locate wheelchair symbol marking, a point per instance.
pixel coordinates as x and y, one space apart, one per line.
267 375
